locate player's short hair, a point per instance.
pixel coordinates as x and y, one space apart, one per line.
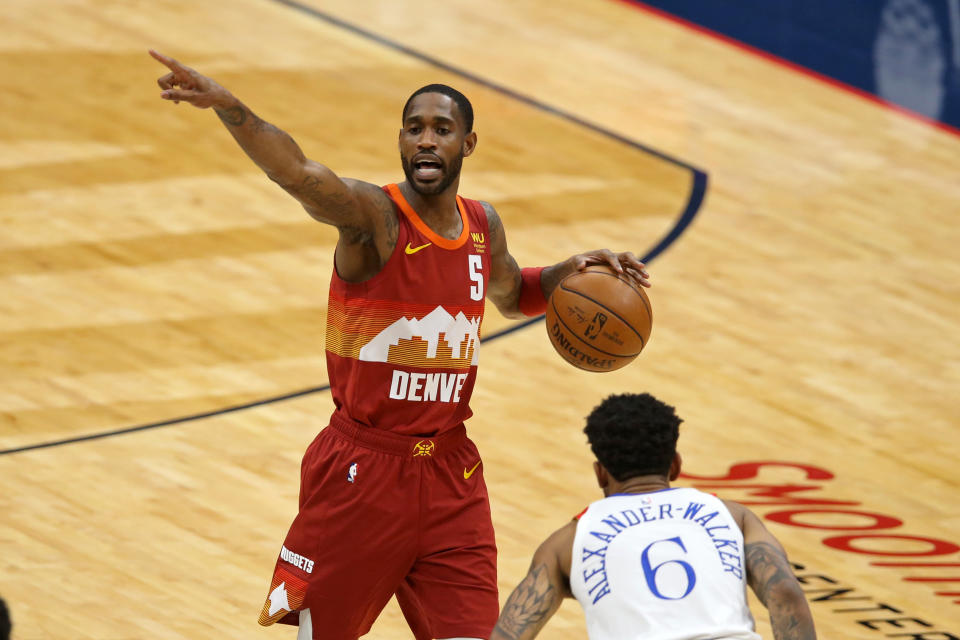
466 109
633 434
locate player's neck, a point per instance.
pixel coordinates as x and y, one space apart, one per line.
638 484
440 210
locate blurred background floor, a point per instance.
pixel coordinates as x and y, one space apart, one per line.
149 271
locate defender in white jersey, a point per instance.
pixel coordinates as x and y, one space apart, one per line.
654 562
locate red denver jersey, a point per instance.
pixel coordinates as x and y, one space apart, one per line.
402 347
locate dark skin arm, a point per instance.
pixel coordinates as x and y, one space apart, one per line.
504 287
770 577
539 594
361 211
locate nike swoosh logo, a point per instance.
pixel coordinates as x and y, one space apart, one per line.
411 250
467 474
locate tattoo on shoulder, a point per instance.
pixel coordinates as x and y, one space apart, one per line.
767 567
493 219
528 605
233 116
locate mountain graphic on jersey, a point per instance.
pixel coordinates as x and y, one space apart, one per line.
453 339
287 592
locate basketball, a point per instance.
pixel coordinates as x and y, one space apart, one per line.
598 320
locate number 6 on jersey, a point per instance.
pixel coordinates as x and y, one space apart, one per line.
650 573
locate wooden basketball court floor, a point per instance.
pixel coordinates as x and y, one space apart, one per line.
148 272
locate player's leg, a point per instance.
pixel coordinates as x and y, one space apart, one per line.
454 579
416 616
351 543
413 612
305 632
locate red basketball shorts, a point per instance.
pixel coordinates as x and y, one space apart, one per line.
382 514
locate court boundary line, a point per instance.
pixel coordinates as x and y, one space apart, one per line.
472 77
698 190
639 5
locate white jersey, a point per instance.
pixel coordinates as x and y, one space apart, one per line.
665 565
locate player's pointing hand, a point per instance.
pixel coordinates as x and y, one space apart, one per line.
184 83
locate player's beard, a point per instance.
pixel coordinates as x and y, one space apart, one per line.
450 174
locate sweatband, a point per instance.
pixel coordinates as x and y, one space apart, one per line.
531 302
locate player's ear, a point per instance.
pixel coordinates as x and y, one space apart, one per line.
469 143
603 478
675 466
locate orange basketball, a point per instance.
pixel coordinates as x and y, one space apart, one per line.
598 320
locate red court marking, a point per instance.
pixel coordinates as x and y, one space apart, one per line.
957 579
947 593
783 62
916 564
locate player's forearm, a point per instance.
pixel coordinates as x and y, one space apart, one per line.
552 275
771 578
506 295
517 292
529 607
272 149
790 615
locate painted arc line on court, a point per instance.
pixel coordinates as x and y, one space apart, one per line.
697 194
698 190
472 77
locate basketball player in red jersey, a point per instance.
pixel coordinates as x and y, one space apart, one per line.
392 498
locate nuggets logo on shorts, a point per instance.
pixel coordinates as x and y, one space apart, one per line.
424 448
287 592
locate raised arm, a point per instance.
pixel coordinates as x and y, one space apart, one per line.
521 292
770 577
351 205
539 594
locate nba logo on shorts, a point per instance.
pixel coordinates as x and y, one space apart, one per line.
352 472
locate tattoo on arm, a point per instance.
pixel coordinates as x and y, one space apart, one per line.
260 126
494 221
504 286
775 585
233 116
767 567
529 605
312 191
391 224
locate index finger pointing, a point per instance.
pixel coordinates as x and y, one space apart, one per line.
169 63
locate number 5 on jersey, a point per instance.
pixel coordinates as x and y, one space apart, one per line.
476 265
